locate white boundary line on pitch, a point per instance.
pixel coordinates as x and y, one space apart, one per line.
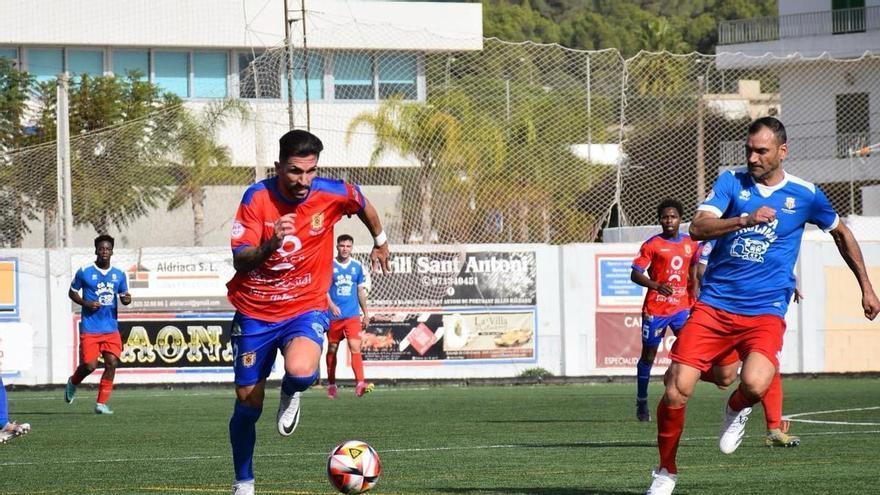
828 422
426 449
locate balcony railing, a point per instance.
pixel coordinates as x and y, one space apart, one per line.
839 145
842 21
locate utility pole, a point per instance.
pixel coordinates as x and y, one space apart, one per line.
701 138
288 43
306 66
62 122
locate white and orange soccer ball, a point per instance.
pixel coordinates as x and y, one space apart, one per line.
353 467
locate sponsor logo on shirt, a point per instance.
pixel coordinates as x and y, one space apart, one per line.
753 248
237 229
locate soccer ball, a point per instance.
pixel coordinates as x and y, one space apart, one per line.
353 467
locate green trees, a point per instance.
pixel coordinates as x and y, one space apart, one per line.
117 131
616 24
14 86
198 160
413 130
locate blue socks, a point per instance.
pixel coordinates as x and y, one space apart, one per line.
643 375
291 383
243 437
4 410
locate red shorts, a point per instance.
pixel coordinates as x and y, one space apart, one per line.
91 345
350 328
714 336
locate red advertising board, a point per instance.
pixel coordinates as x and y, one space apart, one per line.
619 340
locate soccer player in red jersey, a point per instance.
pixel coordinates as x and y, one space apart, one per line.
667 259
757 216
282 245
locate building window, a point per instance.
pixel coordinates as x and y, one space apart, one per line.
848 16
353 77
131 61
315 79
397 76
172 72
10 54
45 63
257 77
853 122
81 62
209 74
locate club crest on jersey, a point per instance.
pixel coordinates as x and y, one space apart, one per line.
789 205
745 195
687 249
248 359
317 224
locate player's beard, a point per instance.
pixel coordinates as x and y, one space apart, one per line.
761 173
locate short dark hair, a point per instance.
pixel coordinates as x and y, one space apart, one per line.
345 237
772 123
299 143
670 203
104 238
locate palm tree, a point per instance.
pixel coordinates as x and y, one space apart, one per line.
424 132
198 160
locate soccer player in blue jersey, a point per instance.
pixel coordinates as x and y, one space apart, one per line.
99 336
348 314
757 216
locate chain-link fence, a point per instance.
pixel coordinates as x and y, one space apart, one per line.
512 143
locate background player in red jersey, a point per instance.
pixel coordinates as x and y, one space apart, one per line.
282 245
667 258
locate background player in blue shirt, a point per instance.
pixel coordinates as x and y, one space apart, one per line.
99 336
757 217
348 314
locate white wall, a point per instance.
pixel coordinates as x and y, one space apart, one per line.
241 23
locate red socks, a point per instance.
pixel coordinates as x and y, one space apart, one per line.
104 390
670 424
772 402
331 368
738 401
357 365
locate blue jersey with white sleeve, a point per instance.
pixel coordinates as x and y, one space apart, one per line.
750 271
347 277
102 286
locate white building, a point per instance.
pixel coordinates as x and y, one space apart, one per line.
830 109
359 53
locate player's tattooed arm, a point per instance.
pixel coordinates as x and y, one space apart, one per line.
706 226
852 254
251 257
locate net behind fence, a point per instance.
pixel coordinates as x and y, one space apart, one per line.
514 143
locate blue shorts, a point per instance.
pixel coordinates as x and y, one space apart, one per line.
654 327
255 342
